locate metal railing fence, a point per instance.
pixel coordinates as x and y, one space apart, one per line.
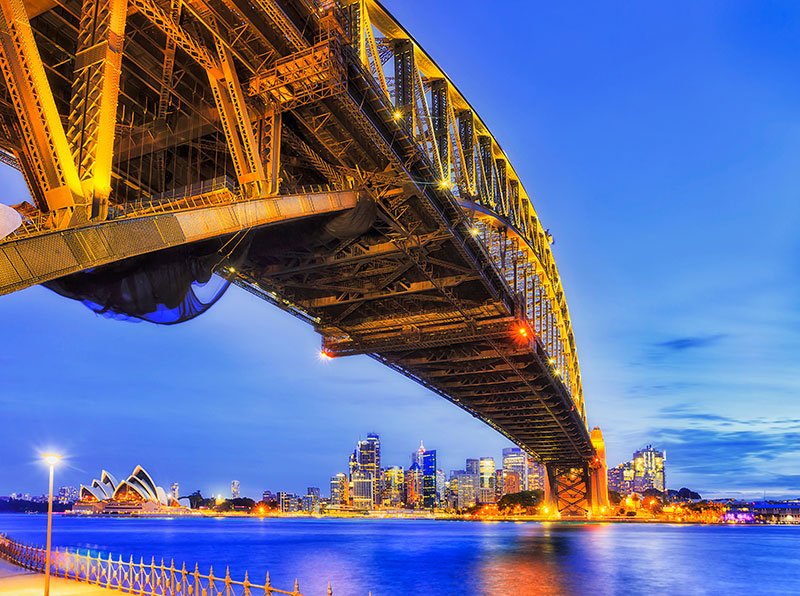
144 579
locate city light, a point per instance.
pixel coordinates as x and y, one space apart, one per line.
397 114
325 355
474 231
445 184
52 459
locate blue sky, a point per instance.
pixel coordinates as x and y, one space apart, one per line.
661 144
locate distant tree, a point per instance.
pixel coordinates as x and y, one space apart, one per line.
527 499
238 504
614 497
195 499
21 506
687 494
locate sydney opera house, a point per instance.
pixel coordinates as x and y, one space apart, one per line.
137 494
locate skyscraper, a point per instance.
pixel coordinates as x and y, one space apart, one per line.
537 475
473 467
516 460
394 487
429 479
234 489
175 490
487 480
413 477
366 459
363 484
416 456
339 490
648 468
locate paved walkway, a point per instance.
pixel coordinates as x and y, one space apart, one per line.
16 581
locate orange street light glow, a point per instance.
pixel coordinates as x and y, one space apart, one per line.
324 355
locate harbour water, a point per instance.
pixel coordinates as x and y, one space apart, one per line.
433 558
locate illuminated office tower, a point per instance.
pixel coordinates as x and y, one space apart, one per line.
289 502
473 467
339 490
234 489
620 478
537 475
413 479
465 489
363 483
367 460
394 487
429 479
511 482
499 484
311 500
516 460
486 486
441 485
175 490
416 456
648 469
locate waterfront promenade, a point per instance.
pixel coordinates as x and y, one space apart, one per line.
16 581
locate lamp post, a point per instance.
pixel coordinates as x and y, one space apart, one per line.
50 459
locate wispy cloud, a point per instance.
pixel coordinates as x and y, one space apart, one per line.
681 344
720 454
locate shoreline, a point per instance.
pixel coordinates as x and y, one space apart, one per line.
411 517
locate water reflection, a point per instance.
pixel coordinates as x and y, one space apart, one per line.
436 558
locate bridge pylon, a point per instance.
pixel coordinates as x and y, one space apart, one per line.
580 490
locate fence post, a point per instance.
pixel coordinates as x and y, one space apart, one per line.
227 581
330 590
141 576
246 584
196 579
296 591
267 587
109 566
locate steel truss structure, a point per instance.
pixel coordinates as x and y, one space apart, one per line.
398 226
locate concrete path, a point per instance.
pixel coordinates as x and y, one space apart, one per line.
16 581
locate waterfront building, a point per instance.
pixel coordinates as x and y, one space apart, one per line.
466 493
363 484
288 502
67 495
537 475
648 468
620 478
413 479
136 495
269 497
516 460
486 487
473 467
311 501
235 489
340 493
175 490
394 486
441 483
366 459
429 479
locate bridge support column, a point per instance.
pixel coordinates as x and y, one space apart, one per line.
599 474
569 490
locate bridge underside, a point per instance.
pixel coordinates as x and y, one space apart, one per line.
380 211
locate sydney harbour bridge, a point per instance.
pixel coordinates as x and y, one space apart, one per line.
312 153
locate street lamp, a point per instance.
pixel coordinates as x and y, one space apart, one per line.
51 459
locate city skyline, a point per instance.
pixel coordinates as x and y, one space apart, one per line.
686 338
